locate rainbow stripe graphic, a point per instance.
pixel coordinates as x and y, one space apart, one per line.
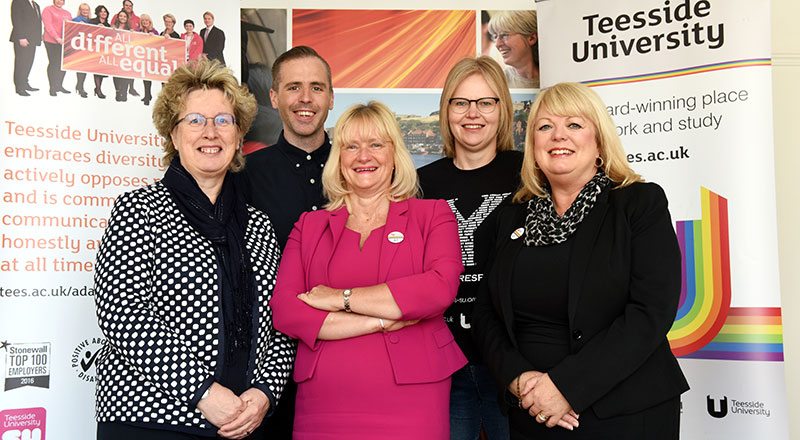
680 72
749 334
706 327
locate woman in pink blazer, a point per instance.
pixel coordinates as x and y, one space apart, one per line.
194 44
363 285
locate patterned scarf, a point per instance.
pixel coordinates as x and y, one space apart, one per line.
544 227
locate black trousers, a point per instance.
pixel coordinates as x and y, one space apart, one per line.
54 72
660 422
23 61
121 85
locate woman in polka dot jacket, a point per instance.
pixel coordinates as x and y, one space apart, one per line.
184 276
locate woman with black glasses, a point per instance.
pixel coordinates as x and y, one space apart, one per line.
479 171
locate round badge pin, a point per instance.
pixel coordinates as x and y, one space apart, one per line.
519 232
395 237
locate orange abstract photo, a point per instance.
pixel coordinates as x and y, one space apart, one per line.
387 48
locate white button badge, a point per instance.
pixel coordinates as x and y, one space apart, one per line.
395 237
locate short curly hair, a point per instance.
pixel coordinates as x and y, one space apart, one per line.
202 74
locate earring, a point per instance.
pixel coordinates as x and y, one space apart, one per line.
602 162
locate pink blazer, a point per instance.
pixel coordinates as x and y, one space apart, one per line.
195 48
422 272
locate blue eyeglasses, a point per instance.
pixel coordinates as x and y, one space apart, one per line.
196 121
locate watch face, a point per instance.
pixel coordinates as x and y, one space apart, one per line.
347 292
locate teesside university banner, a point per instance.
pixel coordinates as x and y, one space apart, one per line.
688 84
98 49
63 161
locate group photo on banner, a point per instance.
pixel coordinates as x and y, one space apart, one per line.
293 222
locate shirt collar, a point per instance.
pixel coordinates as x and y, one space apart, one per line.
299 155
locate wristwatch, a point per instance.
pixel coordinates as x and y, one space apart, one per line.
347 293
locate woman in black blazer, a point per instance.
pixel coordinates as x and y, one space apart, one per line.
573 316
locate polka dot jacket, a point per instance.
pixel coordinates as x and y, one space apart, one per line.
158 305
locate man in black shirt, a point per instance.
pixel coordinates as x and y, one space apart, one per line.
285 179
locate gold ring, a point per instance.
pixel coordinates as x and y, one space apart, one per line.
542 417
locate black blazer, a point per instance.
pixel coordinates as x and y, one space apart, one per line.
214 44
624 288
26 22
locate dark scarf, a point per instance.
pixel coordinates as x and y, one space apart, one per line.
544 227
224 224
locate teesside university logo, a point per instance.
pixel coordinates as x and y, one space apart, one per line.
706 326
719 408
22 424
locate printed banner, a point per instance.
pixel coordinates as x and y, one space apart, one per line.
97 49
73 137
688 84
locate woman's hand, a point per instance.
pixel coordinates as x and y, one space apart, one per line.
542 397
221 406
393 326
257 405
324 298
527 382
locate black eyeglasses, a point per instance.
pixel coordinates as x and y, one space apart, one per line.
484 105
196 121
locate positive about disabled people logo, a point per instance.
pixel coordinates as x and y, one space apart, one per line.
26 364
84 358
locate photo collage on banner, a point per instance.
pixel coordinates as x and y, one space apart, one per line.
688 84
77 132
396 56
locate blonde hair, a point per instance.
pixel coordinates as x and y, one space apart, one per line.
517 22
573 99
147 17
493 74
171 17
376 119
202 74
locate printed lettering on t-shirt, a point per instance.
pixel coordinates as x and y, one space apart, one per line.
467 226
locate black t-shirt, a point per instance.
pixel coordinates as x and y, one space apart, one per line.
284 182
472 195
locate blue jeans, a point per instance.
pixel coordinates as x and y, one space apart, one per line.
473 404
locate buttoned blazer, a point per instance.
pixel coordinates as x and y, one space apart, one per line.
26 22
624 288
158 299
422 272
214 45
